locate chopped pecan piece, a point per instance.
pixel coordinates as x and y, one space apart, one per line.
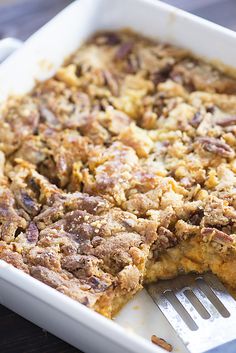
46 115
197 118
161 343
49 277
166 238
111 82
161 75
32 233
27 203
216 146
230 120
10 220
81 265
14 259
124 50
216 235
97 284
46 257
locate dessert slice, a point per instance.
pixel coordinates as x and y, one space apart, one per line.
99 253
75 243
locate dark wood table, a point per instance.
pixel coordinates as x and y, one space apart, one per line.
20 18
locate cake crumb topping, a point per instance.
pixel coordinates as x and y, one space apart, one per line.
120 169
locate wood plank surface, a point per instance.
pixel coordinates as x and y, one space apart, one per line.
20 18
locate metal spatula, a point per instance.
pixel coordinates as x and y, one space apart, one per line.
200 310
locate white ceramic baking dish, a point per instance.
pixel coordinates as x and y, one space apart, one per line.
38 59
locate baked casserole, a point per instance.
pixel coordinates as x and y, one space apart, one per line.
119 170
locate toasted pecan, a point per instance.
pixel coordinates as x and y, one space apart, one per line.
216 146
216 235
228 121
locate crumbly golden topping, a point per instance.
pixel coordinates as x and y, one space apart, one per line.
127 151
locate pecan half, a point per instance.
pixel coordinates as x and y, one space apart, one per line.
166 238
216 146
228 121
111 81
46 115
216 235
197 118
32 233
28 203
124 49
